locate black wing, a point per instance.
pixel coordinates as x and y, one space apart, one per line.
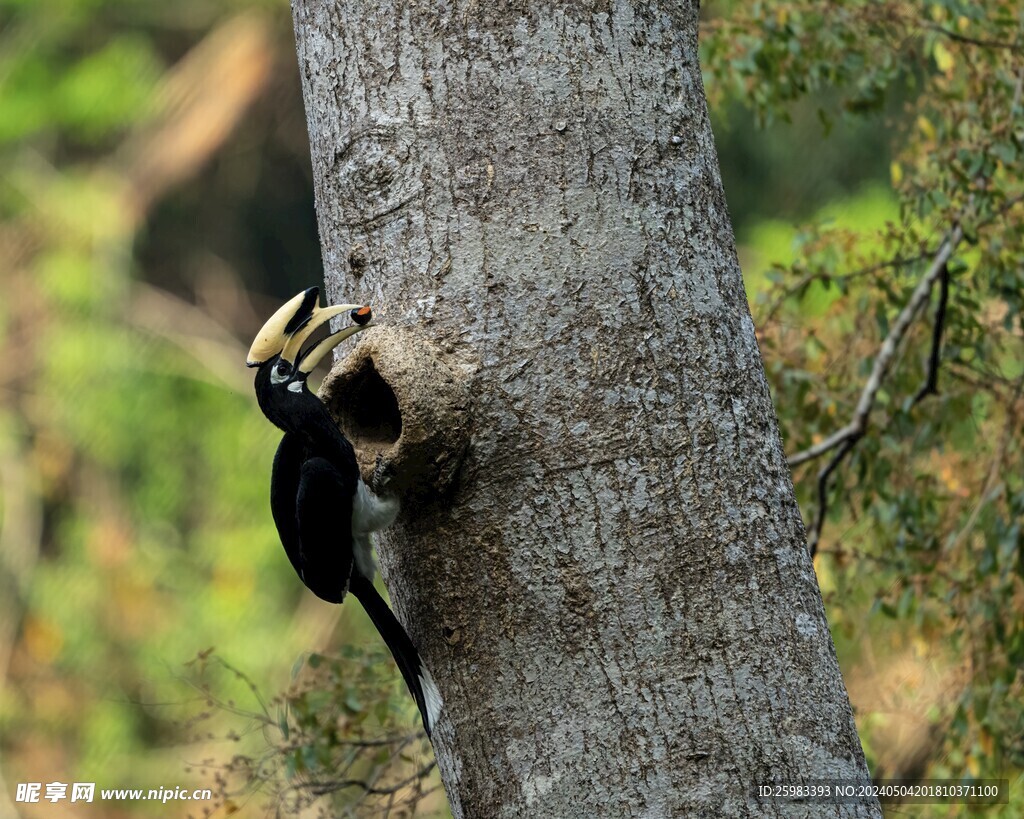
312 506
284 492
323 514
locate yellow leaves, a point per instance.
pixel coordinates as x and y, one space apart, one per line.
943 58
948 476
131 608
895 173
924 125
235 584
53 457
42 639
949 470
110 543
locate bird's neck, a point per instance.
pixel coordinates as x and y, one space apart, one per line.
320 433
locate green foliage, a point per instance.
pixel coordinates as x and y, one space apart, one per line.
923 520
332 739
86 96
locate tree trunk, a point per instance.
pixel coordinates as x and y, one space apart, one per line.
616 598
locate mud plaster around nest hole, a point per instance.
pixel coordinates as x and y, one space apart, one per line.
404 410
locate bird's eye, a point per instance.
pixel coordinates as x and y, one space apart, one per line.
361 315
283 369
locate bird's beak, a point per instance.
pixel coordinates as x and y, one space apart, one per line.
293 346
292 325
309 361
292 315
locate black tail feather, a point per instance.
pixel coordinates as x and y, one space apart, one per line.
416 675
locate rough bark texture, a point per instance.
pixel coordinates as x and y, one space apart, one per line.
616 599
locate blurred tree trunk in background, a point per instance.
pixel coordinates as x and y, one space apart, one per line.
617 601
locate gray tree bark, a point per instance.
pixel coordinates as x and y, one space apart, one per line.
616 599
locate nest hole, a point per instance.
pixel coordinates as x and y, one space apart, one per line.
368 410
405 410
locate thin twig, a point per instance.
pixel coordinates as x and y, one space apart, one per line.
975 41
904 570
326 787
994 468
858 426
980 377
931 383
819 516
804 281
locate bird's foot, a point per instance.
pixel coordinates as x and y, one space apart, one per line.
383 473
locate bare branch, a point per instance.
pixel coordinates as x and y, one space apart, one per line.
846 438
858 426
931 383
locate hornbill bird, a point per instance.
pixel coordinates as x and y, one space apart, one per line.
323 510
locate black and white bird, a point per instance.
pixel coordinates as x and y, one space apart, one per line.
324 512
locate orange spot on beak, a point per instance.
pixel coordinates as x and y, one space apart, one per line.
362 315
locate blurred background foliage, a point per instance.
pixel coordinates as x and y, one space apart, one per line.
156 202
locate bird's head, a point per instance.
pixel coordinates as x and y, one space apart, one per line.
285 361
